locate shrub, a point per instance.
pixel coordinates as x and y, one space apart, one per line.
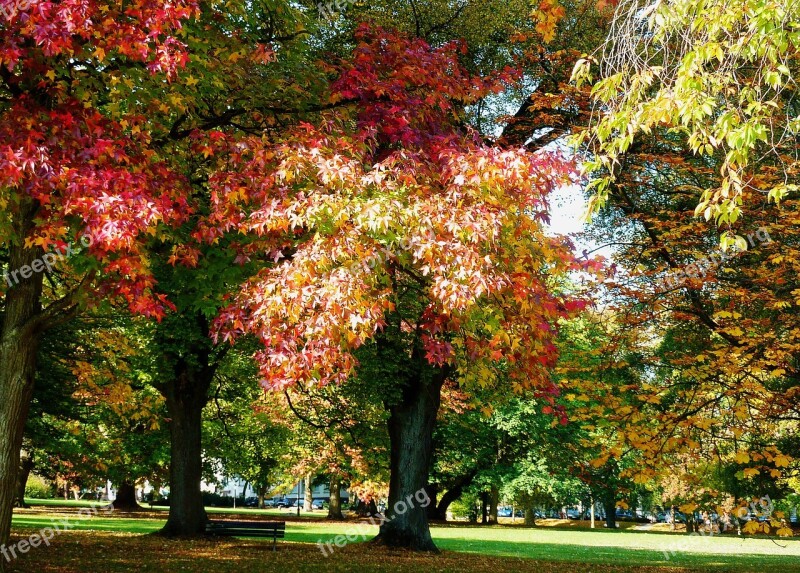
38 488
466 507
216 500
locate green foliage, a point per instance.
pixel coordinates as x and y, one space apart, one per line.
38 487
722 75
468 507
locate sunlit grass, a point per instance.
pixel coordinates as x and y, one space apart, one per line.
575 545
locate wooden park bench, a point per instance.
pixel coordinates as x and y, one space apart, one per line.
273 529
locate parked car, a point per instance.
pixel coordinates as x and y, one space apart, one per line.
504 512
251 502
316 504
573 514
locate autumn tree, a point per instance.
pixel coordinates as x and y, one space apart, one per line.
709 325
70 172
411 238
233 84
94 415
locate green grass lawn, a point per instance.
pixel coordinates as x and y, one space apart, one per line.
570 547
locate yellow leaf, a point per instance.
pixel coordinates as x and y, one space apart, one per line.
751 472
751 527
742 458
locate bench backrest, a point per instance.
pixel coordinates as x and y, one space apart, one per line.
277 528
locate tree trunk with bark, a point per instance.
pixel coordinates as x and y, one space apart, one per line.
261 491
610 507
126 497
530 515
308 494
335 503
691 524
25 468
187 395
439 512
191 362
411 423
19 343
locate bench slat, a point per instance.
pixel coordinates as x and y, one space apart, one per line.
274 529
261 525
249 533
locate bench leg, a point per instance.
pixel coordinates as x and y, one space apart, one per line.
274 542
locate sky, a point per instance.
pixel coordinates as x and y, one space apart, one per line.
567 208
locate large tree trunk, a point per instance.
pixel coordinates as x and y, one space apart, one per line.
411 424
308 494
610 507
691 524
335 503
191 362
19 344
187 395
25 468
126 497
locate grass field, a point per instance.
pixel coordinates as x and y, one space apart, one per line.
116 542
